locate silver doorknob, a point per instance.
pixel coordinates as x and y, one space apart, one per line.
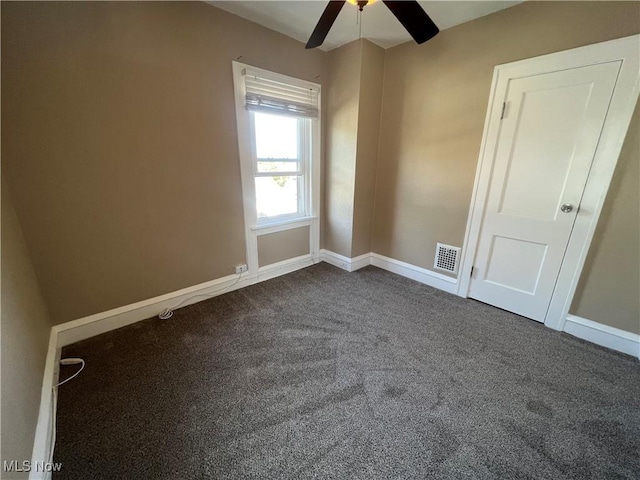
566 208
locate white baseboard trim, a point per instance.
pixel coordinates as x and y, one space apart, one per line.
345 263
87 327
360 261
42 440
603 335
589 330
286 266
419 274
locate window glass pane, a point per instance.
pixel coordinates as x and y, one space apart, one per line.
276 136
265 167
276 196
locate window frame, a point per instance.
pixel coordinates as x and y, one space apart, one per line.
304 142
246 137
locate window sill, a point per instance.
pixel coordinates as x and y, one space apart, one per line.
281 225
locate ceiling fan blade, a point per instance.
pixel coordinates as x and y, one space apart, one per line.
324 24
414 19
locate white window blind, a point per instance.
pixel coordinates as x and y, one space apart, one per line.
273 96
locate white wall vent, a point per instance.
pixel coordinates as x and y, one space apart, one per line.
447 258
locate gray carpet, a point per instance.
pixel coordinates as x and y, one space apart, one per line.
333 375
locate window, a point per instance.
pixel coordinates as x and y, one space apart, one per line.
280 152
278 120
278 134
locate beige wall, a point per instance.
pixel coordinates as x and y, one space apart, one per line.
25 337
342 135
275 247
119 143
371 75
353 129
434 102
120 147
609 289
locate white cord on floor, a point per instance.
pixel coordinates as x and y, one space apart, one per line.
54 399
71 361
168 312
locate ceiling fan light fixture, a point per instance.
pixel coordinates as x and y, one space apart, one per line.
408 12
361 3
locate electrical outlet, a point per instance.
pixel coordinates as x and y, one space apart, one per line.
241 268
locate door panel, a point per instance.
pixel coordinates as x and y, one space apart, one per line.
547 140
543 151
515 264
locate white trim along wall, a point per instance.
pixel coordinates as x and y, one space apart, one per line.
604 335
594 332
87 327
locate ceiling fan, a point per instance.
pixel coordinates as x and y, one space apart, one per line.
408 12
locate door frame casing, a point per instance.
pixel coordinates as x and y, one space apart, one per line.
623 101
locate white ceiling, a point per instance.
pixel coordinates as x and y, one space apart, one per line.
297 18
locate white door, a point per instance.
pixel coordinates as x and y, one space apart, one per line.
546 144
